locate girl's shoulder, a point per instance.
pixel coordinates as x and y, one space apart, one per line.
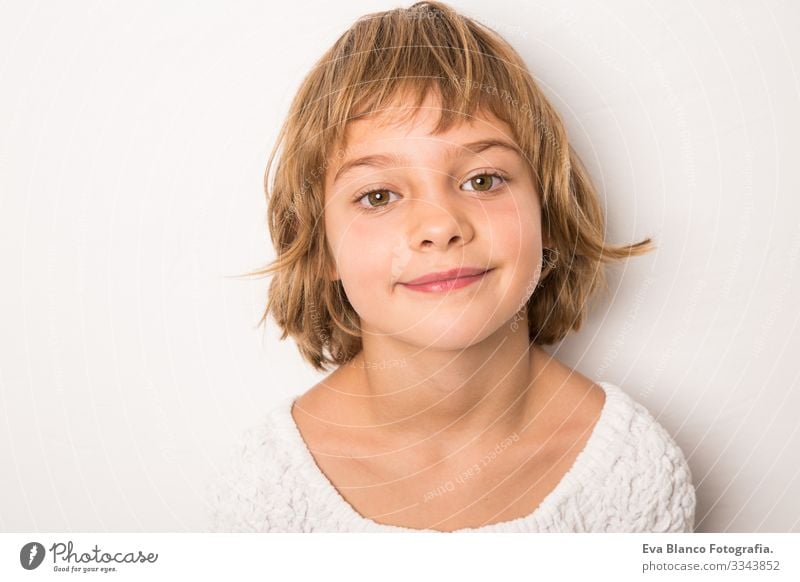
635 428
642 465
631 462
610 409
252 481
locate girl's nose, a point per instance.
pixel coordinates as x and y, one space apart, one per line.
436 223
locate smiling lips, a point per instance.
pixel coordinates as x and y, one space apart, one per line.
446 280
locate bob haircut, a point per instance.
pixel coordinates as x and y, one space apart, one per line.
428 47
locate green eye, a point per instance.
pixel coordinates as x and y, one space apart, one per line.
373 200
377 198
483 182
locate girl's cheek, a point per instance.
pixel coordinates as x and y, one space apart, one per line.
516 219
511 231
365 254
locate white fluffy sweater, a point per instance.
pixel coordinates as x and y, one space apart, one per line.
630 477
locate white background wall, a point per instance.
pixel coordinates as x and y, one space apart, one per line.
133 140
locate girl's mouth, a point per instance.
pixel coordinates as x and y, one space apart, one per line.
446 285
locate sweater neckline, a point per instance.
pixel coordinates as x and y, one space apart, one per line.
593 459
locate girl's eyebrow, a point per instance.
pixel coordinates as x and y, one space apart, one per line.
389 160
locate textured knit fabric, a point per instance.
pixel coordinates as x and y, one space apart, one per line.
630 477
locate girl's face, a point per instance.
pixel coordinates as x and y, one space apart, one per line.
403 203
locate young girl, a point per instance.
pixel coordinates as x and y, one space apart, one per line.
433 229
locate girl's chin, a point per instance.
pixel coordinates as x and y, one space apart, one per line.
450 339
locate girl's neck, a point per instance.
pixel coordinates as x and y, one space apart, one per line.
407 391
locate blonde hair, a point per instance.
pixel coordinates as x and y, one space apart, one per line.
428 47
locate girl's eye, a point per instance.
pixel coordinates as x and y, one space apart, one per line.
484 182
375 199
379 198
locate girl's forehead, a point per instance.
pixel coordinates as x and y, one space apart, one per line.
414 124
411 111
